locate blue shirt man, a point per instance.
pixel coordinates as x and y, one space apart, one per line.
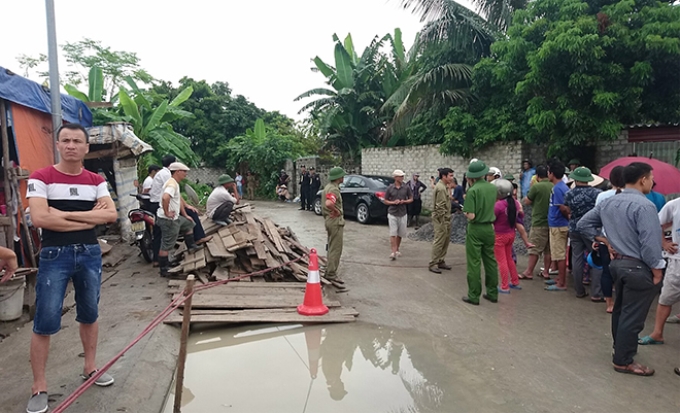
528 172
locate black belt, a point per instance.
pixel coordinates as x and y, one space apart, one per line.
481 223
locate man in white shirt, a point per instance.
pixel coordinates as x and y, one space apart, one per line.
172 217
146 186
221 201
190 212
669 216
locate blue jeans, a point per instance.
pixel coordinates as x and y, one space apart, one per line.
81 263
239 188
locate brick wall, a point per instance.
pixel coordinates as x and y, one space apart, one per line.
426 159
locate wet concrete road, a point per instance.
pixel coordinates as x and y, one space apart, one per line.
534 351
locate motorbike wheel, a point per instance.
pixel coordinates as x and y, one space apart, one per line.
146 245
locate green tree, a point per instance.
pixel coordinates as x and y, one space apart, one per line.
264 151
572 72
82 56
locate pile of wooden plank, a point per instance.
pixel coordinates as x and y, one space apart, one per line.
249 244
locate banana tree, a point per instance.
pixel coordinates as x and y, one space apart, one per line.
349 110
95 81
151 121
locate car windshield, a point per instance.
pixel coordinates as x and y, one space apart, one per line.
379 182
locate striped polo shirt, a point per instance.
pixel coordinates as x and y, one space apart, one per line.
67 193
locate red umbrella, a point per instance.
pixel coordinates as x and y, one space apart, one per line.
666 176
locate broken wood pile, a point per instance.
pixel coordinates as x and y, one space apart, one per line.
248 302
249 244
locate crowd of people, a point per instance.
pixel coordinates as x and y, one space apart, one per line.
609 232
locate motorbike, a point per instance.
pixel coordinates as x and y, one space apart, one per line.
142 223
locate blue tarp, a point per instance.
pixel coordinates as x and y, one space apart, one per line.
28 93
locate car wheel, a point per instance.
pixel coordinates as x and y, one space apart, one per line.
362 213
317 206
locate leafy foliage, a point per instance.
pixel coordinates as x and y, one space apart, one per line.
263 150
572 72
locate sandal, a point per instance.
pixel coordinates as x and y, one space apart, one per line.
584 295
525 277
597 299
548 281
677 371
648 340
636 369
555 288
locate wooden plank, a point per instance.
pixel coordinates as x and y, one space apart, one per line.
207 299
335 315
273 234
217 249
236 285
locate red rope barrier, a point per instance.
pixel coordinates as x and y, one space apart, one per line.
154 323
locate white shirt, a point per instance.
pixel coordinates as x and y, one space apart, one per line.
218 196
565 179
159 180
238 180
147 183
171 188
671 213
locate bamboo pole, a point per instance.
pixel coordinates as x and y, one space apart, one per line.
186 321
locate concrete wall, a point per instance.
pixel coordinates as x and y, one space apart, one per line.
608 151
426 159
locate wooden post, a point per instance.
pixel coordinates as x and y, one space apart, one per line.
6 167
186 321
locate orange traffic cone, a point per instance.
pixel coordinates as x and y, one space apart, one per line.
313 339
313 303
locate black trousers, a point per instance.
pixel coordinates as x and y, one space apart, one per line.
157 235
311 198
223 211
635 292
304 197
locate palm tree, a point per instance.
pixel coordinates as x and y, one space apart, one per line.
444 84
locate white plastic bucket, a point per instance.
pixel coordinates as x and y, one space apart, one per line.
12 299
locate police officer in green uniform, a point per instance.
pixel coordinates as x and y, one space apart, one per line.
331 208
479 241
441 221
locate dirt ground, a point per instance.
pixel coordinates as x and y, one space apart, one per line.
534 351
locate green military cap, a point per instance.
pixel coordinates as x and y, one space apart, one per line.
225 179
336 173
581 174
477 169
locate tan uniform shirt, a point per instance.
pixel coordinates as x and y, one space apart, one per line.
332 192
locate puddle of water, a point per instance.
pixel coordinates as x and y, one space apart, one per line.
293 368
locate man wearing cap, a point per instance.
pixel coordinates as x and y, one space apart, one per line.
573 164
172 217
493 174
221 202
441 221
578 202
333 213
480 239
314 186
415 208
528 172
397 196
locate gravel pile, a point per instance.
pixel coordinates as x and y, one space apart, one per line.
458 229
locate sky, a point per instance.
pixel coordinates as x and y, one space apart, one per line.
262 48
